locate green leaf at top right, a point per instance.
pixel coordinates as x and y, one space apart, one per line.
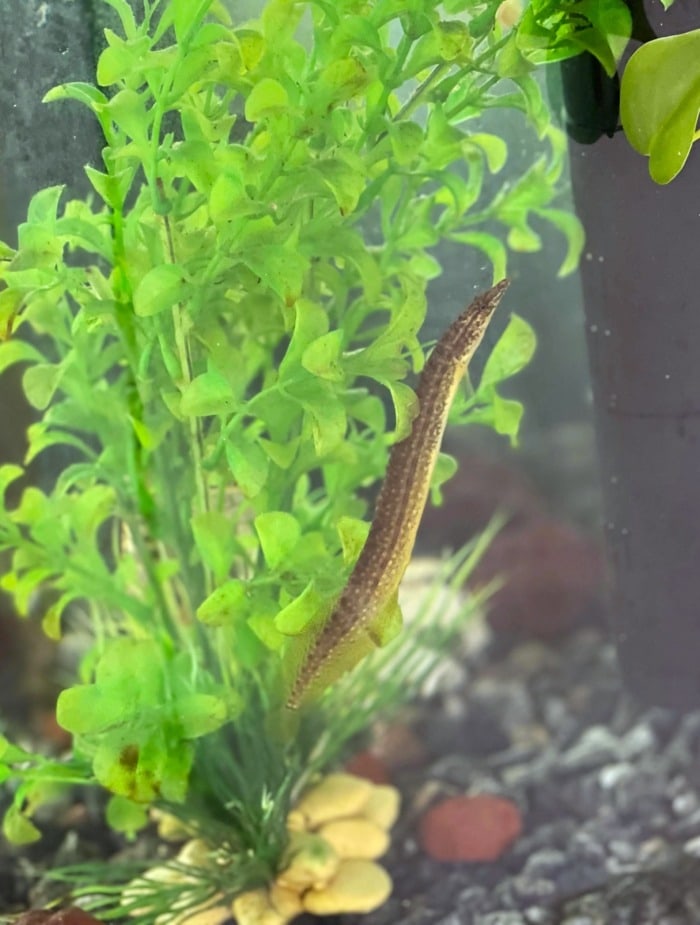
660 102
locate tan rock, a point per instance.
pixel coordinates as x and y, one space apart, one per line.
170 828
255 908
336 796
285 900
196 853
358 886
383 806
309 861
214 915
355 838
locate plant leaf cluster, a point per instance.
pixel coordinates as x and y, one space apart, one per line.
552 30
209 335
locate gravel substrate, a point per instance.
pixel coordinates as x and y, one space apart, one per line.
609 792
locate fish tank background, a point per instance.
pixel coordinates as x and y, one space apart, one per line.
572 801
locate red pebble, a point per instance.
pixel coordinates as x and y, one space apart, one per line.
367 765
477 828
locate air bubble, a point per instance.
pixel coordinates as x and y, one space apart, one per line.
593 328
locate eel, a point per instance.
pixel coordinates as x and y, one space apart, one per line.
374 581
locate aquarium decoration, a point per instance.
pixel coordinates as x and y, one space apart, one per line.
209 337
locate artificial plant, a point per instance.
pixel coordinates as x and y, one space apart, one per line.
658 97
208 335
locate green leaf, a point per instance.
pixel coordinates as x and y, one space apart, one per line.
310 324
89 236
187 14
512 352
249 464
406 141
82 92
125 816
325 412
161 288
507 414
281 267
207 394
495 149
228 198
43 206
279 534
405 407
126 15
128 112
343 79
282 454
445 468
489 245
51 621
267 97
224 604
345 180
301 612
40 383
120 58
137 718
140 767
572 229
17 351
323 357
17 829
660 102
113 187
9 473
353 535
215 539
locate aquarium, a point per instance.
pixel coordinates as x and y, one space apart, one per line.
349 531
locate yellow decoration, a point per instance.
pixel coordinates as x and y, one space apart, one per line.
335 797
359 886
336 830
355 838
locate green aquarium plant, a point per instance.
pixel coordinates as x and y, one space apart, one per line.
660 102
209 337
659 92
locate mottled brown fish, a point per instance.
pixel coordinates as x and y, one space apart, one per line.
375 579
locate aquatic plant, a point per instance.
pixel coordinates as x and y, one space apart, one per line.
199 334
660 102
658 96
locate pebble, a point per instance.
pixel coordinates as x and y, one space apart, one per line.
537 915
470 828
597 746
533 889
472 900
544 863
500 918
